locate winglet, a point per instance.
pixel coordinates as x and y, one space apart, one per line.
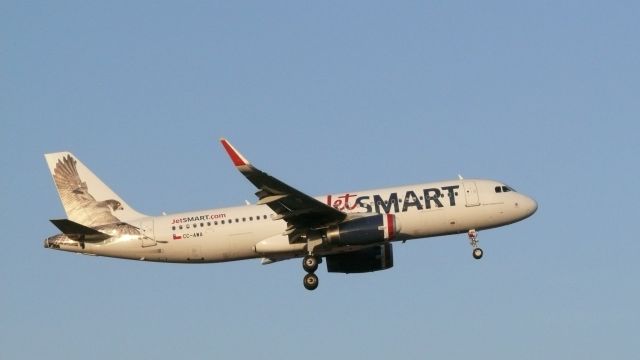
236 157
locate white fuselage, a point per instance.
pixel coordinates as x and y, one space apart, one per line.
235 233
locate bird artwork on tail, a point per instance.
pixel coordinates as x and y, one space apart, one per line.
80 205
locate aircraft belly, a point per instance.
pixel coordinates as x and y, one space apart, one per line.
426 223
129 249
484 216
445 221
230 247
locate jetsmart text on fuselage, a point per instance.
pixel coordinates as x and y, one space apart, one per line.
429 198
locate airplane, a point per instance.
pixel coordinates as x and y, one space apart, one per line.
352 231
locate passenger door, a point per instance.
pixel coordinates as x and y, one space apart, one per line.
471 193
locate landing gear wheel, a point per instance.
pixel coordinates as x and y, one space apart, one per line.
477 253
310 264
310 281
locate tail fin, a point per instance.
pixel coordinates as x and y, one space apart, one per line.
85 198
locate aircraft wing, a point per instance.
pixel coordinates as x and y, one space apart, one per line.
298 209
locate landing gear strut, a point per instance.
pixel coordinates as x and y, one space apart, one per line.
473 240
310 265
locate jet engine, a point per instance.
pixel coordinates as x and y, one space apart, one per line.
363 231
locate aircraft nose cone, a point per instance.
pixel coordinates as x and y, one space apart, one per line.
531 206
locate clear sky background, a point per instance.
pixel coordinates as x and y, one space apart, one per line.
328 96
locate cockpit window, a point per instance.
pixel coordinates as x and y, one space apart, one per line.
503 188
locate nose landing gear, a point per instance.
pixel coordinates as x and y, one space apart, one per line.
473 240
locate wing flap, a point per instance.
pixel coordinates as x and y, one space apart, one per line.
270 198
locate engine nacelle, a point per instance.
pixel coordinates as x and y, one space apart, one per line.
375 258
363 231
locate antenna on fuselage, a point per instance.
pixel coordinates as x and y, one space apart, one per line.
460 177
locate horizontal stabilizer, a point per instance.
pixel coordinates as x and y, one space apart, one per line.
79 232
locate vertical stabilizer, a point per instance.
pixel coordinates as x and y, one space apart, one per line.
85 198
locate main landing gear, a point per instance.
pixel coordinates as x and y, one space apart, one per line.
310 265
473 240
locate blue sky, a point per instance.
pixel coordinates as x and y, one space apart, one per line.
328 97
